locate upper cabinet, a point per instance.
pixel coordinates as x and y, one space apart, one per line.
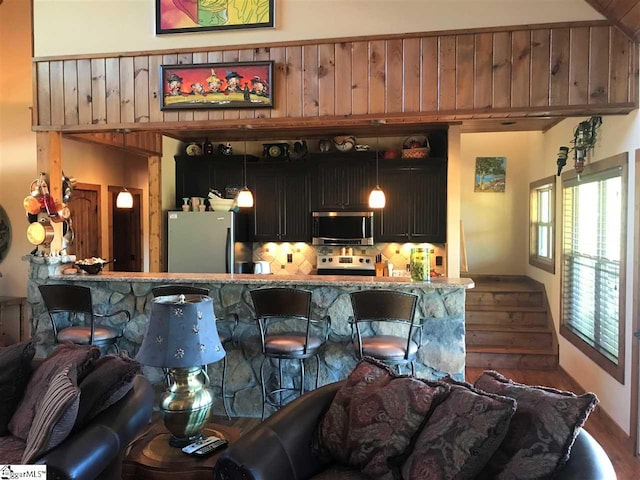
343 181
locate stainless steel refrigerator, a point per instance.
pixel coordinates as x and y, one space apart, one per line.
201 242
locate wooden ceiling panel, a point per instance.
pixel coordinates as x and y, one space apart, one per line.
624 13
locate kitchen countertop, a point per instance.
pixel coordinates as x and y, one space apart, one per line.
436 282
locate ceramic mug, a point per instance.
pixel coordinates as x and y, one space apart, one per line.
262 268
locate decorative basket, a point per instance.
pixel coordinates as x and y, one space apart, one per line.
416 146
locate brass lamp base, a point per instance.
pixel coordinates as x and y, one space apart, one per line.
185 405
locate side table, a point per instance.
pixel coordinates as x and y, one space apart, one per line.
21 303
150 457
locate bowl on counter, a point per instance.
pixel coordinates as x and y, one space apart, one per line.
92 266
222 204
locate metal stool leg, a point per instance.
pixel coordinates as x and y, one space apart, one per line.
413 369
280 383
224 379
301 376
317 369
264 395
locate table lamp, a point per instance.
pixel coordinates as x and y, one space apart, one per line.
182 338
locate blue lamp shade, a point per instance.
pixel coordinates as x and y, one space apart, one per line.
182 333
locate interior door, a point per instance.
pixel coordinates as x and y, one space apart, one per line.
126 233
85 221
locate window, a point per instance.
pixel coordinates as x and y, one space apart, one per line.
593 259
542 205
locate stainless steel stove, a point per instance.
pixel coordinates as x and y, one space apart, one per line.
346 265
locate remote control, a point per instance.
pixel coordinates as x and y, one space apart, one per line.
210 448
192 447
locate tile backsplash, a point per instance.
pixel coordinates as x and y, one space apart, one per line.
303 256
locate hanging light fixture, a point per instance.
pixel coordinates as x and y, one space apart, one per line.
376 197
245 197
124 198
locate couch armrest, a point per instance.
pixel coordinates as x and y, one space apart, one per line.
587 460
87 453
280 447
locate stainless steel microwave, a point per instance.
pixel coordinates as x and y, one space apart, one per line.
342 228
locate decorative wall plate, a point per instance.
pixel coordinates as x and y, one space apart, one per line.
5 234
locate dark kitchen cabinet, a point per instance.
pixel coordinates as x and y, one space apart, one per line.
282 202
343 181
416 207
195 175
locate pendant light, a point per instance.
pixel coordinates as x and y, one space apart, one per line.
376 197
124 198
245 197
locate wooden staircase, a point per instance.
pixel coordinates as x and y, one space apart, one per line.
508 324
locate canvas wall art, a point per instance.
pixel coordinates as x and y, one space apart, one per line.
180 16
490 174
217 85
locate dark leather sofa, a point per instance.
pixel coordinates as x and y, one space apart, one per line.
96 452
279 448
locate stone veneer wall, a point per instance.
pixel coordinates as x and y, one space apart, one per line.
441 311
304 256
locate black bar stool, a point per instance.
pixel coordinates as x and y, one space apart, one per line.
292 306
82 327
225 334
391 307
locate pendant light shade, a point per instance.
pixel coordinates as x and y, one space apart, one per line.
124 199
245 197
376 197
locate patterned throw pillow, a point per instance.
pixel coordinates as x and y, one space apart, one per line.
108 381
55 416
461 435
374 416
15 369
542 430
81 356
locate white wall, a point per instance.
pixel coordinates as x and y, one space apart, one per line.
618 134
496 241
17 142
99 26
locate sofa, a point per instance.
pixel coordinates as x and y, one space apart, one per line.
280 448
110 404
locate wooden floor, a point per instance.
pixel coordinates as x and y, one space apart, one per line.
608 434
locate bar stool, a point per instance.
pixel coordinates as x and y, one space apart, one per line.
74 301
273 305
225 335
387 306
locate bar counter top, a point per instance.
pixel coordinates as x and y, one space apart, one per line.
253 279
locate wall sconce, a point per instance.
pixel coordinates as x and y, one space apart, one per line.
124 198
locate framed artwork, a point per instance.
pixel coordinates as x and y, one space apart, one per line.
217 85
180 16
490 174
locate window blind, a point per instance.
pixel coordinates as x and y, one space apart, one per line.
592 228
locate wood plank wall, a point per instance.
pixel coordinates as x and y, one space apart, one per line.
590 68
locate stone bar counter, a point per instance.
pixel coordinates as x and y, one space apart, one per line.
440 309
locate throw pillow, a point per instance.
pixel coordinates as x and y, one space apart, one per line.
461 435
81 356
108 381
542 430
15 369
374 417
55 416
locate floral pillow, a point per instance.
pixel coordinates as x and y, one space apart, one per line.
374 417
461 435
542 430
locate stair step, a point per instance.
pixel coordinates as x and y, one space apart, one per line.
492 357
509 337
527 298
506 315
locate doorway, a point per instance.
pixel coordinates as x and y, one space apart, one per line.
84 205
125 231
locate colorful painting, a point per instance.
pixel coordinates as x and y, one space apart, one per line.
179 16
490 174
217 85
